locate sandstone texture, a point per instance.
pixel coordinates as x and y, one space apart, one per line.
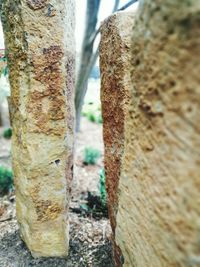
158 217
158 196
115 59
40 49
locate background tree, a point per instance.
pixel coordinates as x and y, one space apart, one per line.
88 54
4 86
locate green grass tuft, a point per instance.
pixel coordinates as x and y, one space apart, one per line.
91 155
103 193
92 112
91 117
6 180
7 133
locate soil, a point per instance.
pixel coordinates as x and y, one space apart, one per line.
90 243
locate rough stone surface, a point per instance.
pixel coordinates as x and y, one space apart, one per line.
157 222
158 213
115 58
40 49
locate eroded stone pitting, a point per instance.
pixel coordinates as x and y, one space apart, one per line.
38 52
157 218
37 4
48 71
115 60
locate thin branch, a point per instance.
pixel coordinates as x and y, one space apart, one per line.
88 69
86 74
93 37
116 5
127 5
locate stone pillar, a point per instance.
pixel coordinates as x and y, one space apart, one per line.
157 220
115 63
39 38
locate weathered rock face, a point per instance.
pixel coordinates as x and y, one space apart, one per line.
157 222
40 47
115 59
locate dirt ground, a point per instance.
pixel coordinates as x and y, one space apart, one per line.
90 243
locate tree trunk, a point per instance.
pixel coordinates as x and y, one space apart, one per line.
87 58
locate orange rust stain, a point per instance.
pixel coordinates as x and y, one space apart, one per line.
47 70
45 209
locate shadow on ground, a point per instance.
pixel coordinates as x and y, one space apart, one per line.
13 253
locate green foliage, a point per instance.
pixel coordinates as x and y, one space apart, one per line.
4 70
91 155
99 119
95 205
92 112
91 117
4 84
7 133
6 180
103 187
